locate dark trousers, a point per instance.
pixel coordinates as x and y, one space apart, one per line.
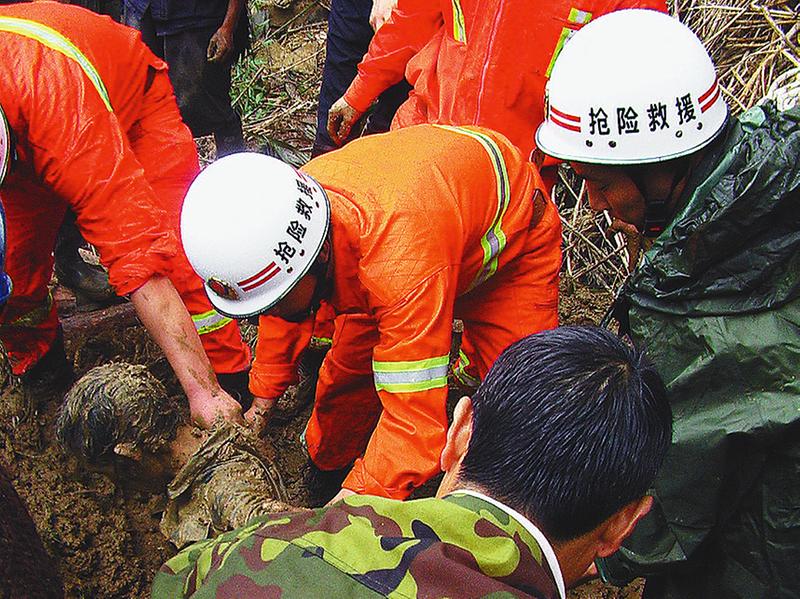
202 89
349 34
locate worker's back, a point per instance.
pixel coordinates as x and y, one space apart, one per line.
463 199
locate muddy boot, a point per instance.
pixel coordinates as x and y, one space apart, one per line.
89 282
236 384
323 485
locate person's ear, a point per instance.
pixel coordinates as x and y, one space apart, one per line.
619 526
458 435
128 450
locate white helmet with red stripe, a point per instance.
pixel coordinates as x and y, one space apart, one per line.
634 86
251 227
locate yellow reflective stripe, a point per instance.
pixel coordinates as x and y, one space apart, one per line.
406 377
53 39
493 241
459 28
210 321
460 371
576 15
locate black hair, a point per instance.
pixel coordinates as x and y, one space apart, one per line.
115 403
569 426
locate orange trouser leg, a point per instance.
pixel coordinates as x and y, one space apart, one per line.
166 150
29 323
346 407
519 301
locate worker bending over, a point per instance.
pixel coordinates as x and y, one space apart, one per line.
91 123
716 299
411 228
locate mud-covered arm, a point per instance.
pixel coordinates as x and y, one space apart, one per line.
85 158
411 25
410 368
220 46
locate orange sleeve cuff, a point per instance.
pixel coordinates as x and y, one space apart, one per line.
361 94
271 380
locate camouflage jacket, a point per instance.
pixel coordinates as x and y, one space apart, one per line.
462 546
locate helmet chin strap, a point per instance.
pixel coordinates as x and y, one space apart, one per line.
656 210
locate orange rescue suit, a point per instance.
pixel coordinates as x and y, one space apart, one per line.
428 224
97 129
475 62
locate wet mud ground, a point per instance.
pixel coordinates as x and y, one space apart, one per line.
103 530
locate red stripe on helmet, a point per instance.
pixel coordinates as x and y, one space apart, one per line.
710 103
569 126
710 91
257 275
262 280
564 115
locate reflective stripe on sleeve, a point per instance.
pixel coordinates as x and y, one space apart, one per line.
53 39
210 321
408 377
459 28
460 371
493 241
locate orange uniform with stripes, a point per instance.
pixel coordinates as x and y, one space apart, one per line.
475 62
428 223
97 129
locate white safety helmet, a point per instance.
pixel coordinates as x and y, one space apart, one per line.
634 86
251 227
5 146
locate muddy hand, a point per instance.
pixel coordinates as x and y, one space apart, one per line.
220 46
633 239
257 417
205 412
341 118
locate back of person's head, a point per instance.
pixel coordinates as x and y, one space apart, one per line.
116 406
569 426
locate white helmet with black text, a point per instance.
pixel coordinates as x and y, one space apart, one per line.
252 227
632 87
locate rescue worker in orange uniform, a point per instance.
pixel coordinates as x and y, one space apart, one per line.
94 126
457 225
470 62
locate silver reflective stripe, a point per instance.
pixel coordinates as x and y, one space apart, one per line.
210 321
408 377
